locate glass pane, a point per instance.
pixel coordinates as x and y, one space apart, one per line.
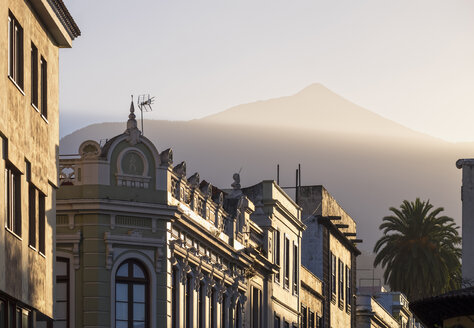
61 291
121 311
123 270
61 268
121 292
138 311
138 324
25 320
18 317
121 324
2 312
61 310
139 293
138 272
59 324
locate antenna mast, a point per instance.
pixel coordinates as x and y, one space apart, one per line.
144 104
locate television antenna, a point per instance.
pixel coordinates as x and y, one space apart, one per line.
144 104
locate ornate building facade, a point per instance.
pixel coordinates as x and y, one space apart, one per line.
141 243
31 33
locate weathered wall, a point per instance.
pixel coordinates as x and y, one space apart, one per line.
311 291
24 273
467 196
339 316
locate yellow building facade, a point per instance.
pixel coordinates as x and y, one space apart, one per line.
31 33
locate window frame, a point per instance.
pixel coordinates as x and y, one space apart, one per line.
341 285
333 277
277 253
65 279
131 281
304 316
286 260
311 319
295 268
32 218
348 289
15 52
13 200
44 87
276 321
34 77
41 223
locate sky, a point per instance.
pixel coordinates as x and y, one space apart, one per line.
409 61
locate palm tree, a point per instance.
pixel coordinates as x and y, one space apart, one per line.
419 250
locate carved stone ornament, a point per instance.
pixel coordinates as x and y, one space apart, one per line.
89 149
166 157
221 198
194 180
180 169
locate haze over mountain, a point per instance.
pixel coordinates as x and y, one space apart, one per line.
313 108
368 163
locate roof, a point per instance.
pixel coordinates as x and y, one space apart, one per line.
434 310
65 17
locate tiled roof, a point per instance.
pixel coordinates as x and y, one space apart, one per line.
65 18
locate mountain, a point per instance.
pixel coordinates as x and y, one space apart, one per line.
313 108
368 163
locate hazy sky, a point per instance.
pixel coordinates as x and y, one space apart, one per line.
410 61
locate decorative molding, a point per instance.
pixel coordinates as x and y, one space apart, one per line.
134 238
70 218
75 240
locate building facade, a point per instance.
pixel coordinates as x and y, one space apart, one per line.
329 252
312 300
141 243
394 303
467 198
371 314
31 34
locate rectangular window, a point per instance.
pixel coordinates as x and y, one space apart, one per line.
287 324
187 303
3 313
319 323
41 223
341 283
213 308
201 305
311 319
295 268
276 322
44 88
348 289
287 262
223 310
304 317
61 313
32 216
13 200
276 252
174 297
4 148
34 75
15 50
256 307
333 277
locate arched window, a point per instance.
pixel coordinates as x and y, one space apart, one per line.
131 296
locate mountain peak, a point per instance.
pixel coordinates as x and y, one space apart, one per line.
315 108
